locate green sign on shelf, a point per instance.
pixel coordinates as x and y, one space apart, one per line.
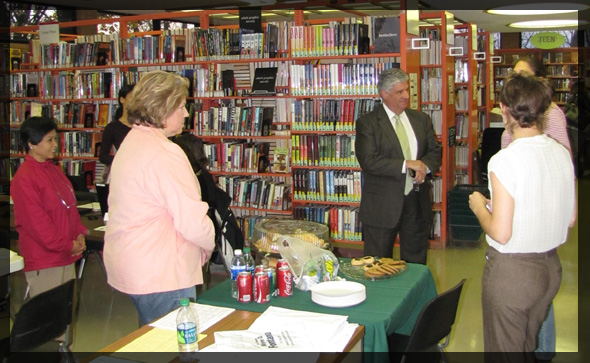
547 40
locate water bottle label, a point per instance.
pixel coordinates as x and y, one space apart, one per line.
186 334
235 270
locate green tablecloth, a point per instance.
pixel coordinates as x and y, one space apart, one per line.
392 305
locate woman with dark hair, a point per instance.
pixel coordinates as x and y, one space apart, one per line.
158 235
115 131
532 205
51 234
195 152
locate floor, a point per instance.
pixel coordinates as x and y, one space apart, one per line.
105 315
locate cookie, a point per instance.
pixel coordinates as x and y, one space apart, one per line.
357 261
367 260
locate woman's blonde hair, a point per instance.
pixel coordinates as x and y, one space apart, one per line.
155 97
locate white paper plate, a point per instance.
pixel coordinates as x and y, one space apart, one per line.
338 294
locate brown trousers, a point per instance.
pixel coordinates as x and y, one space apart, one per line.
517 289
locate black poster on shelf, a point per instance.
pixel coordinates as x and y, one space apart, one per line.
452 136
387 34
251 20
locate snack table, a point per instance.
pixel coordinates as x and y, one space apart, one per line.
392 305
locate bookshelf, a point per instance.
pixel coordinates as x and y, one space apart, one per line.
563 67
437 73
308 144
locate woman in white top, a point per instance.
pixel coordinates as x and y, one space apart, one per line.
532 204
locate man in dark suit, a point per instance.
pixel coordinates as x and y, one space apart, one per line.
392 200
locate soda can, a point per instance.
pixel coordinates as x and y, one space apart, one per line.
272 280
245 287
282 262
259 268
285 282
261 288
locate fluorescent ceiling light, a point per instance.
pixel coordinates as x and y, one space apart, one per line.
548 23
538 9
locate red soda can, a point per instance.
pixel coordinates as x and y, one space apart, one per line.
272 280
285 281
261 288
282 262
245 287
259 268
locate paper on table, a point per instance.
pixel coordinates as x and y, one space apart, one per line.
327 332
268 341
155 340
207 315
309 332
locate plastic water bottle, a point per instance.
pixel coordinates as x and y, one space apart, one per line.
238 264
249 260
186 328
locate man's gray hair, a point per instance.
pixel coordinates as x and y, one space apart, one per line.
389 77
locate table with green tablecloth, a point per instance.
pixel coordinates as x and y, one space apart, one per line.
392 305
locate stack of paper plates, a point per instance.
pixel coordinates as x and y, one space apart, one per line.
338 294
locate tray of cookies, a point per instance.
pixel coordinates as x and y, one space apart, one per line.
372 268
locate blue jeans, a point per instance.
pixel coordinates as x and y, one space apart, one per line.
153 306
546 347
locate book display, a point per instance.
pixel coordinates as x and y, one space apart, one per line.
276 108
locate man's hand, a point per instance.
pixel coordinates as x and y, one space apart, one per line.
419 167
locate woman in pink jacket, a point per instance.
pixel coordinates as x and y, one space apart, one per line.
158 235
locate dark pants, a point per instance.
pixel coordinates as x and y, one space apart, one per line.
413 234
517 289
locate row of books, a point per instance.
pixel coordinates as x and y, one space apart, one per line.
240 156
62 54
481 96
262 193
461 70
462 125
78 167
431 82
437 189
461 177
462 99
323 150
321 114
334 39
463 41
481 73
336 78
78 85
564 70
327 185
234 121
462 155
435 113
66 114
562 83
70 143
560 57
343 222
23 85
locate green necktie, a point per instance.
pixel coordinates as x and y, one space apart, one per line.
402 136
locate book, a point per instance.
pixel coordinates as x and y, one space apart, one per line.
387 34
104 112
103 53
15 59
281 160
89 114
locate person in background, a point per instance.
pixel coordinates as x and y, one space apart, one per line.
114 133
577 114
158 235
392 201
555 121
532 204
555 127
51 234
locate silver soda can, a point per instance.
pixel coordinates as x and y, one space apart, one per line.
262 288
285 281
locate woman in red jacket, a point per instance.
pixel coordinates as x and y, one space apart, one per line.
51 233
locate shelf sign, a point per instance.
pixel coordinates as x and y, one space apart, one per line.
456 51
49 33
547 40
251 20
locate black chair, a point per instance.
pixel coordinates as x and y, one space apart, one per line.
491 143
433 325
44 318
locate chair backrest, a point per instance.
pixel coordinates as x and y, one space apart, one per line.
491 143
43 318
435 320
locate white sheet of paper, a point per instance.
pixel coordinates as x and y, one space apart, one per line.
268 341
207 315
